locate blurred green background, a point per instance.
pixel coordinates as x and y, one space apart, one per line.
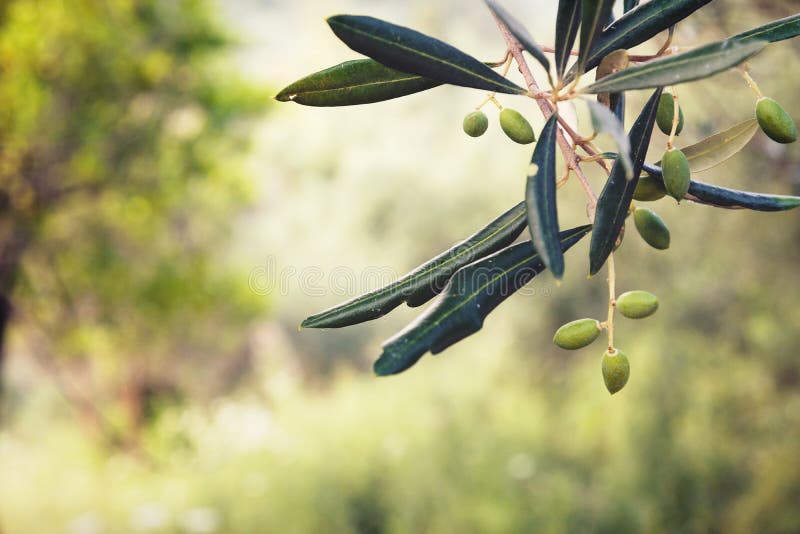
165 227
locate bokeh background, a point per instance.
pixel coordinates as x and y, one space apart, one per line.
166 226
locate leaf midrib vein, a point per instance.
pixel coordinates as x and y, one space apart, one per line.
428 56
633 73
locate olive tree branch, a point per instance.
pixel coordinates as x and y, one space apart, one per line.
547 109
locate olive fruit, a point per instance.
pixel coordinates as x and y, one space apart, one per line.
677 175
649 189
516 127
616 370
577 334
651 228
637 304
666 114
476 124
775 122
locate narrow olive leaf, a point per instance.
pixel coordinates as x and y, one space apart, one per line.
777 30
723 197
568 19
603 120
362 81
427 280
674 69
540 196
619 112
594 15
719 147
615 199
471 294
410 51
520 33
640 24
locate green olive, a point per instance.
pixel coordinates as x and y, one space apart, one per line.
637 304
677 175
775 122
651 228
649 189
616 370
516 127
476 124
666 114
577 334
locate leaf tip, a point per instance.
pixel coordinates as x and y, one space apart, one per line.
285 96
308 322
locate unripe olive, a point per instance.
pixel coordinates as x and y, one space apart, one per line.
475 124
637 304
775 122
666 113
677 175
651 228
516 127
616 370
649 189
577 334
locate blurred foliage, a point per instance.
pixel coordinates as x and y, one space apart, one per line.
467 446
121 150
130 284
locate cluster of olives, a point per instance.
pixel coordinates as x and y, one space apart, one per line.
582 332
773 120
515 126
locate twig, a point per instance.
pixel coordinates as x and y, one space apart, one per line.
547 109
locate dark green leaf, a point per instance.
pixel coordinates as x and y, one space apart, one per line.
410 51
671 70
594 15
568 19
603 120
540 196
640 24
722 197
471 294
427 280
619 112
615 199
777 30
519 32
362 81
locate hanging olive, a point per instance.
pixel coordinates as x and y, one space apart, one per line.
666 114
516 127
637 304
476 124
577 334
775 122
651 228
677 175
616 370
649 189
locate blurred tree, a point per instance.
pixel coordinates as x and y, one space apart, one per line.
121 136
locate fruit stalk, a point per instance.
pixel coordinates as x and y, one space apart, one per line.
571 158
751 82
676 118
612 295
